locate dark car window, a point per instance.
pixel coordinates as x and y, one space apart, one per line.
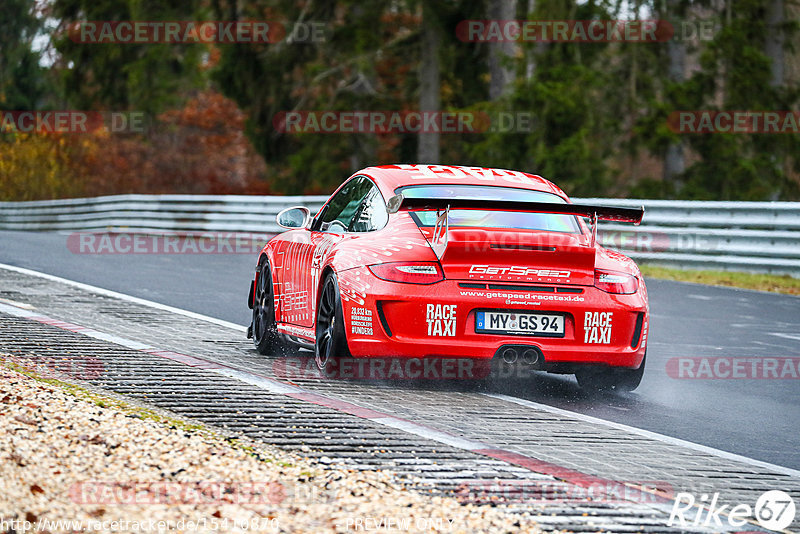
341 209
492 218
372 214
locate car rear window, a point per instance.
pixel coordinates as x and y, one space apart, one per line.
549 222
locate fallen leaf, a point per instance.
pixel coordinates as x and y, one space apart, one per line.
36 488
23 419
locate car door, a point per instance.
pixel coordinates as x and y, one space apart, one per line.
331 225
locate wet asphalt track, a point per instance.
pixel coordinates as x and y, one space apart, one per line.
755 418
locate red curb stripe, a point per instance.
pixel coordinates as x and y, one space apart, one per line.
538 466
339 405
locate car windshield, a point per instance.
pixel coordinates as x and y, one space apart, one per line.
550 222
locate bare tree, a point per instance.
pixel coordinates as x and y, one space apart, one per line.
774 44
429 84
500 76
674 161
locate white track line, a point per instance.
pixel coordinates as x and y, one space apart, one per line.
268 384
123 296
647 434
507 398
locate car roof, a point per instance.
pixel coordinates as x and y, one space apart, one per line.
390 177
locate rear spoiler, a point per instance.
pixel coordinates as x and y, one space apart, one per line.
441 229
603 213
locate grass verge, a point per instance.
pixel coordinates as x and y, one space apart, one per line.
772 283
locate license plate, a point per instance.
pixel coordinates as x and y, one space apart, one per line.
519 323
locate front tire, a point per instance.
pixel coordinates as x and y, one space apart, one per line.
266 338
620 380
330 332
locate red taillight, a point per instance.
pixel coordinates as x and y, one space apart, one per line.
408 272
614 282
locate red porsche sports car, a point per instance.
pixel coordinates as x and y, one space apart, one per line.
435 261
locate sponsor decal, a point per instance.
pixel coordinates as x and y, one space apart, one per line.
469 173
441 319
597 327
528 299
295 301
515 270
297 331
361 321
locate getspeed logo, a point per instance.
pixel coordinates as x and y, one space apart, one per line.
514 270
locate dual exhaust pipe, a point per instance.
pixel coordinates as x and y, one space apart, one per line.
528 355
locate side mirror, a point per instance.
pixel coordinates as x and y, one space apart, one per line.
294 217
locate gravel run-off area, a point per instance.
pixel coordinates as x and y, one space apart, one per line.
72 460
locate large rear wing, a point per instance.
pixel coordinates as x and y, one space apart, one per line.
603 213
441 229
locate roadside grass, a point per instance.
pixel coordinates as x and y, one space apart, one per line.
772 283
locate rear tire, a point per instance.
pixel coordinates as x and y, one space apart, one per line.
331 338
619 380
266 338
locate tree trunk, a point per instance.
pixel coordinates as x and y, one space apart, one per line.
674 162
429 85
536 50
500 75
775 40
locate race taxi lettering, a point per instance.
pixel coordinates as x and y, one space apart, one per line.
597 327
517 271
361 321
441 320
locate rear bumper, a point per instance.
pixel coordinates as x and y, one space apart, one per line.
388 319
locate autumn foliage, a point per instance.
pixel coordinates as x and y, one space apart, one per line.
200 148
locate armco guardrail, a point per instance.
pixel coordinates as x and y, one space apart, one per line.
752 236
740 236
139 213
